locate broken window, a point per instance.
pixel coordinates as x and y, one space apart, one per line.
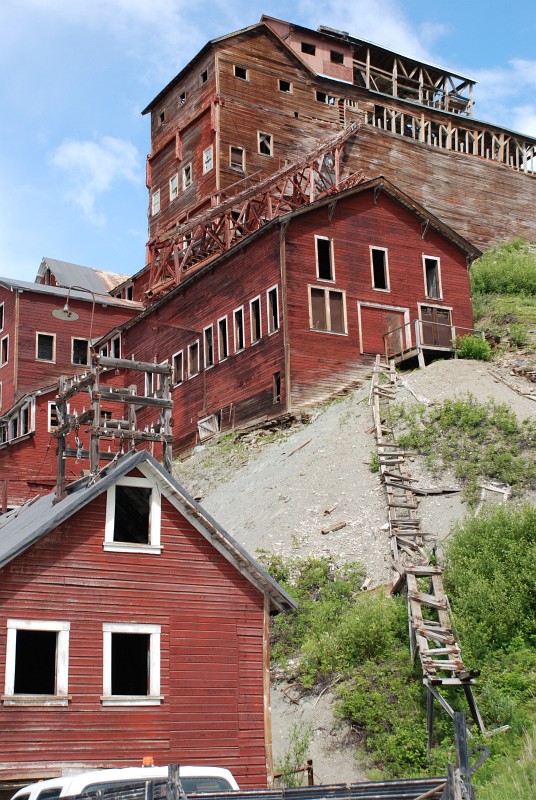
255 319
161 117
322 97
208 346
265 143
150 384
182 98
223 341
37 658
336 57
173 187
80 353
240 72
187 176
324 258
204 76
237 158
115 346
238 320
45 346
432 277
379 268
208 159
25 420
308 48
327 310
193 359
276 385
131 663
178 368
52 417
155 202
273 310
285 86
4 351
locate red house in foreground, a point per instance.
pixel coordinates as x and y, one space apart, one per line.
131 624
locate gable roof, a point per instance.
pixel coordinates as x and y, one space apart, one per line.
102 297
67 274
24 526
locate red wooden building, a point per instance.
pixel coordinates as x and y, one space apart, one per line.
132 625
297 310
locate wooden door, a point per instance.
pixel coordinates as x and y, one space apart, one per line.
436 327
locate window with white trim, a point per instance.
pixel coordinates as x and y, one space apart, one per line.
324 258
133 516
173 187
80 351
223 339
4 350
25 415
155 202
285 86
178 368
37 662
193 359
45 347
432 277
187 176
131 664
272 308
115 346
208 346
255 319
265 143
150 384
1 316
327 310
208 159
237 158
238 328
240 72
379 267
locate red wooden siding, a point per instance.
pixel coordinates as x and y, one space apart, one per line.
211 653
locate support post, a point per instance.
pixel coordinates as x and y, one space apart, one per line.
462 751
61 407
429 720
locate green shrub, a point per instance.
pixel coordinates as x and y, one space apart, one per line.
473 347
508 268
519 335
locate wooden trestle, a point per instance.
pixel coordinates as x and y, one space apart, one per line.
433 640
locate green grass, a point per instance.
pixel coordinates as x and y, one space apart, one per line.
508 268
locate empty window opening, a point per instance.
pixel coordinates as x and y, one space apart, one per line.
35 662
182 98
223 343
178 368
4 350
433 287
324 258
130 663
336 57
276 387
208 347
45 346
1 316
80 351
173 187
240 72
265 143
204 76
327 310
132 514
52 417
237 159
208 159
193 359
285 86
161 117
155 202
255 317
116 347
380 275
238 329
273 310
308 48
322 97
187 176
25 420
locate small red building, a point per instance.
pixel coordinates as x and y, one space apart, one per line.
131 624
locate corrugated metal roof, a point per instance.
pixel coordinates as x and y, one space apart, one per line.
67 274
103 298
112 279
23 527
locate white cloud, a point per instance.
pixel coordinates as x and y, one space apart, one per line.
93 167
501 96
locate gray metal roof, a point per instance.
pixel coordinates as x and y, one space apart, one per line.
67 274
24 526
103 298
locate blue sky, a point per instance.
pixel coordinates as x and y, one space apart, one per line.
77 73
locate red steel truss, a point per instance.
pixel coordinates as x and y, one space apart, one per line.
193 244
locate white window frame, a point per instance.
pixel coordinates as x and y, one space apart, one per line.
373 247
190 346
331 259
80 339
155 202
153 697
45 360
439 281
155 513
269 139
251 317
268 315
2 340
441 307
241 77
173 187
187 176
284 91
327 290
173 357
223 319
2 316
401 309
231 165
115 340
61 628
206 363
208 159
236 311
